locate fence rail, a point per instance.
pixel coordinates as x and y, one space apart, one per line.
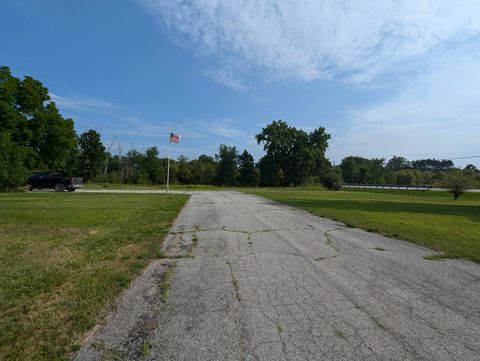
390 186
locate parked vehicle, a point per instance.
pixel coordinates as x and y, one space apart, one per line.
57 181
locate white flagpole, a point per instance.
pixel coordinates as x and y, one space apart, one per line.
168 167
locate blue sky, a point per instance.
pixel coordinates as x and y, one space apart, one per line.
384 78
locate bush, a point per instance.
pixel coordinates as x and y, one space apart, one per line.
332 180
458 182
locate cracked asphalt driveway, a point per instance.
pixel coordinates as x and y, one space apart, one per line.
256 280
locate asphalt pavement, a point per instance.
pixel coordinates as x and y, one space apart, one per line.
245 278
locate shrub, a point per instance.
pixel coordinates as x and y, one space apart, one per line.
458 182
332 180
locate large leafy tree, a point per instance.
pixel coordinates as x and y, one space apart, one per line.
270 175
295 154
153 166
31 125
53 138
362 170
227 169
203 170
248 175
92 154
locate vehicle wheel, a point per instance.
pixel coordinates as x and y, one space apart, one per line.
71 189
59 187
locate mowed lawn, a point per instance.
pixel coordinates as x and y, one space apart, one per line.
64 258
430 218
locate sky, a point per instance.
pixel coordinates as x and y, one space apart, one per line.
386 77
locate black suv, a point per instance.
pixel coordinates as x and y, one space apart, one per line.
57 181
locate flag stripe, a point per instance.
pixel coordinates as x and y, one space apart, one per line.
174 138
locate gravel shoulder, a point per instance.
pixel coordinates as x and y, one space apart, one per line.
246 278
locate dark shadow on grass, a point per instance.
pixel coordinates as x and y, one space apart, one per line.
468 211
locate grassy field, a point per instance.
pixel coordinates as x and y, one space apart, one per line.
432 219
64 257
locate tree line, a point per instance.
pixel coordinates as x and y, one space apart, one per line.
399 170
34 137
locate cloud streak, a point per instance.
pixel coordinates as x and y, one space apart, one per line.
313 39
78 103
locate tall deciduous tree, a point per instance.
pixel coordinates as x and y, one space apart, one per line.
92 154
296 154
227 169
248 175
153 166
362 170
33 123
203 170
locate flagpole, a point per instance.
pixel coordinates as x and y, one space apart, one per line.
168 166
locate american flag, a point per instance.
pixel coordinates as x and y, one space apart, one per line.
174 138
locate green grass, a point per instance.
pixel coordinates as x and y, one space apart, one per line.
429 218
65 257
182 187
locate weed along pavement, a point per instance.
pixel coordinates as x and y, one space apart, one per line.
245 278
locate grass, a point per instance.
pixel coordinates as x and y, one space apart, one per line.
65 257
166 283
182 187
429 218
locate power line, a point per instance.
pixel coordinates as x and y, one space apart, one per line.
470 156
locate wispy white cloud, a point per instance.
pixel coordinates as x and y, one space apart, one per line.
133 126
312 39
81 103
226 77
438 114
226 128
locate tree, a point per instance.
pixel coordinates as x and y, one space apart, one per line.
227 159
12 169
153 167
270 174
432 164
457 182
134 167
361 170
92 154
184 174
471 168
248 175
41 138
406 177
332 179
293 152
203 170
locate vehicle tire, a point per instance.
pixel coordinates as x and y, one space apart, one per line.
71 189
59 187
